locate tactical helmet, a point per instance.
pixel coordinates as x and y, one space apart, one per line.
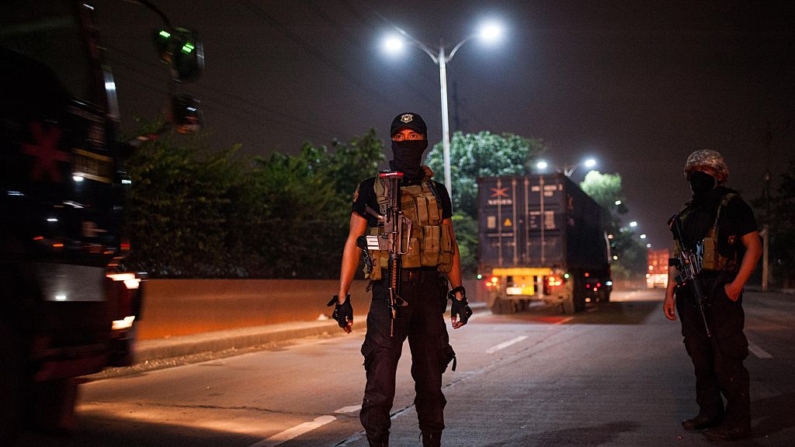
709 159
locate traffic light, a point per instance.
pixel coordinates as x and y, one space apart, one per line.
182 50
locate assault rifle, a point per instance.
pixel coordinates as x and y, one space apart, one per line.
394 234
688 263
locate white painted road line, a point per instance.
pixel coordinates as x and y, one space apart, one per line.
294 432
504 345
348 409
758 352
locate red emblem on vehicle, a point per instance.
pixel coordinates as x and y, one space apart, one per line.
45 149
499 192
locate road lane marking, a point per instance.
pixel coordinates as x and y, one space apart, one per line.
758 352
348 409
504 345
294 432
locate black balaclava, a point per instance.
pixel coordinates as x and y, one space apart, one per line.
407 154
701 183
407 158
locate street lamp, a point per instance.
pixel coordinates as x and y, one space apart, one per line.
490 31
569 169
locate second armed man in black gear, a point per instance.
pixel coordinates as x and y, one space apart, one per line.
430 255
718 229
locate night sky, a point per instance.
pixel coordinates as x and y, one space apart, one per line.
636 85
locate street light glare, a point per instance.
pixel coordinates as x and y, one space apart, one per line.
491 32
393 44
542 165
440 57
589 163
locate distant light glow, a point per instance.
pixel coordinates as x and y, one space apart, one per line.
542 164
643 236
633 224
589 163
52 219
78 178
60 297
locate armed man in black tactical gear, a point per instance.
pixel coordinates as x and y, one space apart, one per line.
401 219
717 248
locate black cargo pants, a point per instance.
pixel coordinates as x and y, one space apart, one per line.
717 360
422 322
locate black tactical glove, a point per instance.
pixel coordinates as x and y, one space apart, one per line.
460 308
343 313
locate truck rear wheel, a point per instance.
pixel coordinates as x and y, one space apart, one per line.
578 294
11 383
52 408
568 306
501 306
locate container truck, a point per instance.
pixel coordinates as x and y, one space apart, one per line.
541 238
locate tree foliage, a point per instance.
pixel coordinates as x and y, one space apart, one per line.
177 209
628 252
482 154
193 212
479 155
781 221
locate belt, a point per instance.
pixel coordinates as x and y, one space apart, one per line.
419 275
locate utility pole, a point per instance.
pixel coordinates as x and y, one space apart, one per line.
766 223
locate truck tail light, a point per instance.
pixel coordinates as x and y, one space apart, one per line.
130 280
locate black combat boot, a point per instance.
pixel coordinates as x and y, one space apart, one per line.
378 443
432 439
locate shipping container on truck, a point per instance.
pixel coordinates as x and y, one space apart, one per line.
68 305
541 238
657 274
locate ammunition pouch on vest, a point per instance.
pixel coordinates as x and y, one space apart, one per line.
707 248
430 242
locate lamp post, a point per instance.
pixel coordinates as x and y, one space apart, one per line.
489 32
568 170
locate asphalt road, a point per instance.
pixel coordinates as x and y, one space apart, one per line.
616 375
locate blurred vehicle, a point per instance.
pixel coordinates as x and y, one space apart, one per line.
657 274
68 305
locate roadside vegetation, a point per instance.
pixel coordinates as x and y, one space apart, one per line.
195 212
